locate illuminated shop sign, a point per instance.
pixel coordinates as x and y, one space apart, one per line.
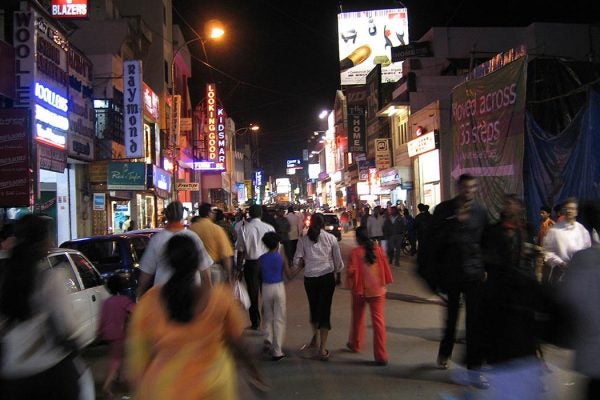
133 118
69 8
51 98
51 118
151 103
422 144
258 178
208 166
293 163
48 136
215 126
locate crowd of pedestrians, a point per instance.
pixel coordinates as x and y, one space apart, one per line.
184 337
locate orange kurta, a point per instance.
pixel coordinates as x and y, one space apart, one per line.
168 360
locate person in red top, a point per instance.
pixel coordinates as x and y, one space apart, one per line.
367 275
113 321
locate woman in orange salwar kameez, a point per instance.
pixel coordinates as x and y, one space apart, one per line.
182 335
368 273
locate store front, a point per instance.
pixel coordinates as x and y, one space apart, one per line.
424 151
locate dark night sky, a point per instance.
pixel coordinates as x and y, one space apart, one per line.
278 64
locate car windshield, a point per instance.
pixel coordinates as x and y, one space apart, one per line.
104 254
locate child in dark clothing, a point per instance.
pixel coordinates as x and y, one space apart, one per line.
272 267
113 319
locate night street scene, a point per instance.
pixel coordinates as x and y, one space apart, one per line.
201 199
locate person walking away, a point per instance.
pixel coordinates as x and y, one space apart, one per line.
184 336
113 322
394 229
249 249
345 220
37 329
367 275
282 228
319 254
354 215
267 216
375 224
227 226
454 246
153 266
564 239
580 290
512 297
410 231
272 267
364 218
216 243
422 222
296 227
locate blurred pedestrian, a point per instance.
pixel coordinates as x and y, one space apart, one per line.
216 243
296 227
268 216
354 216
581 291
249 249
511 301
282 228
345 220
364 217
153 265
7 242
227 226
273 266
545 224
394 229
564 239
375 224
319 254
410 231
37 326
367 276
113 322
184 336
454 249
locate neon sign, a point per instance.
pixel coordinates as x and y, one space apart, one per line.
48 136
51 118
208 166
51 98
69 8
211 119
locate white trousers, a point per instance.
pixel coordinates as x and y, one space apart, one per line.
274 315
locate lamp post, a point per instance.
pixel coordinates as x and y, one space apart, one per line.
215 31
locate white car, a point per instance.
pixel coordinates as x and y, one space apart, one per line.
85 287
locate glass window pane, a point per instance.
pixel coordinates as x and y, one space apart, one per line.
61 263
88 274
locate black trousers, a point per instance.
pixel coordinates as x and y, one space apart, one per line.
253 283
319 291
473 298
60 382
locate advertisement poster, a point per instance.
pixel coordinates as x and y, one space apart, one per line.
383 154
366 39
14 158
488 132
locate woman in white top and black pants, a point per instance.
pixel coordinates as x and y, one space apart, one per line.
319 253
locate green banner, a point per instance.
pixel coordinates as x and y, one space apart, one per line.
126 176
488 132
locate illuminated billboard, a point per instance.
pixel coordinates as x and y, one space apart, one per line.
70 8
215 127
313 171
366 39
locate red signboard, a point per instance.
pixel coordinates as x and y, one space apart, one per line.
69 8
14 158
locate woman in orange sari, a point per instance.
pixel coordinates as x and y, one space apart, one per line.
183 335
367 275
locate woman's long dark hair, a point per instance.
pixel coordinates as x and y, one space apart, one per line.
363 239
32 235
178 293
317 222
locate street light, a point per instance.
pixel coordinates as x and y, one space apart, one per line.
215 31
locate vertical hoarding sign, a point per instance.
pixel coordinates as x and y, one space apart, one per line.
14 158
215 117
176 121
24 44
221 137
488 132
80 136
366 39
356 129
383 156
134 112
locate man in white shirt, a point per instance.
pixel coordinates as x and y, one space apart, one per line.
296 227
250 247
564 239
154 267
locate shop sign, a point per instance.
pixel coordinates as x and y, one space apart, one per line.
175 121
390 178
293 163
258 178
188 186
383 155
422 144
81 146
407 185
51 158
99 202
363 169
208 166
356 129
336 177
161 179
323 175
23 41
132 106
151 103
126 176
215 126
14 158
70 8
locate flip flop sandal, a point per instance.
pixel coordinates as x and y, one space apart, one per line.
324 356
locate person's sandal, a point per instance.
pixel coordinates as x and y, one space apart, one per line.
311 345
324 356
